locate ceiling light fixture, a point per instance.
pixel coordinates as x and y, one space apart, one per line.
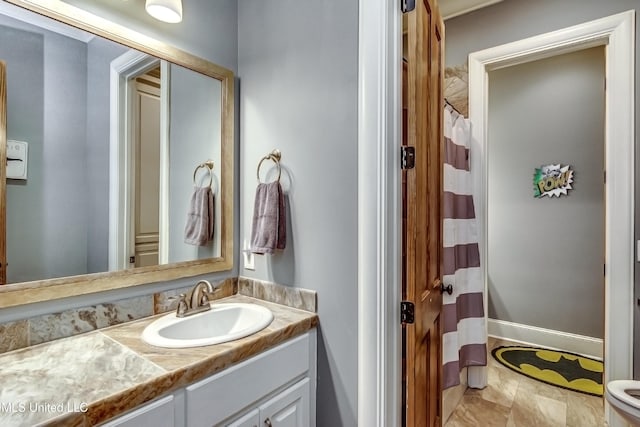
165 10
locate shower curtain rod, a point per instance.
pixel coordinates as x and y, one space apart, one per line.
447 103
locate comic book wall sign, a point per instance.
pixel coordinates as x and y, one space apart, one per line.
552 180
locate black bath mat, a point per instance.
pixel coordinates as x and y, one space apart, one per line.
558 368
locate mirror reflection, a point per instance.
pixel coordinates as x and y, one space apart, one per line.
104 145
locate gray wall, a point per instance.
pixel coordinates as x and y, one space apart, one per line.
64 189
298 86
46 214
513 20
23 53
59 216
195 134
545 255
100 53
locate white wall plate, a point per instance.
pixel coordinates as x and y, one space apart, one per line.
17 156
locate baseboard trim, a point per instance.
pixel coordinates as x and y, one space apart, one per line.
541 337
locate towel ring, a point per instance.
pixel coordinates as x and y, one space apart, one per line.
274 156
209 165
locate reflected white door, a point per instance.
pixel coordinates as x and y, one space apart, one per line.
146 174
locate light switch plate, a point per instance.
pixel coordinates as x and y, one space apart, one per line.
249 258
17 156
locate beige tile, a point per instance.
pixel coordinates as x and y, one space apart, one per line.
452 396
473 411
14 335
534 403
501 387
534 387
245 286
302 299
49 327
584 410
533 409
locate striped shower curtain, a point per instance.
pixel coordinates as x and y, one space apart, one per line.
464 338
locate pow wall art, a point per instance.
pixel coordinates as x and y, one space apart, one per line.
552 180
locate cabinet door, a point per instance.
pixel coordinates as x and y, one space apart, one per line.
252 419
215 399
288 409
158 414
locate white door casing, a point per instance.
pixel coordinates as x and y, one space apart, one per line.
617 33
379 213
123 69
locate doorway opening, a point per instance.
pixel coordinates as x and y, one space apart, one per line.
546 243
138 213
144 119
617 34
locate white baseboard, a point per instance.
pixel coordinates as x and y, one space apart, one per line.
540 337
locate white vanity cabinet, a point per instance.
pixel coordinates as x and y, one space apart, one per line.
274 388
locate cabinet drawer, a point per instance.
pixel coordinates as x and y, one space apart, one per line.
214 399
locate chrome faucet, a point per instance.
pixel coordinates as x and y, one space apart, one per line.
196 301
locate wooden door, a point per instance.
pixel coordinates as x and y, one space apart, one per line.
422 195
3 172
146 208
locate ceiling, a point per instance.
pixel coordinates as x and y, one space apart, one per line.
452 8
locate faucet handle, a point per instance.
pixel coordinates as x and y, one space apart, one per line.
182 306
204 299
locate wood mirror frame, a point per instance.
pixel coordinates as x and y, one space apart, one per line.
57 288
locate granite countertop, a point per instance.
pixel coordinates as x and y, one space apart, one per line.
87 379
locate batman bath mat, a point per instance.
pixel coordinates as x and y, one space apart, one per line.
559 368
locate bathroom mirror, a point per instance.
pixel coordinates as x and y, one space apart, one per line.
108 133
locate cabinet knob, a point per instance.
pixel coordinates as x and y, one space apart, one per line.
267 422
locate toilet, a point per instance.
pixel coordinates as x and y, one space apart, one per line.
624 398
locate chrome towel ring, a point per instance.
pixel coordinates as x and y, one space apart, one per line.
275 157
209 166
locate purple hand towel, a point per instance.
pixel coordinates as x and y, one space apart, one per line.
199 228
269 219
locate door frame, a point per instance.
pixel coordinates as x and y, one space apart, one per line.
379 212
126 67
617 34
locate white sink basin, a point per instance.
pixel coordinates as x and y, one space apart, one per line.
224 322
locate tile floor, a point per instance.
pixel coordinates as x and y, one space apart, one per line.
513 400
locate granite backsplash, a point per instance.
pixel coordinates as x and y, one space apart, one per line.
49 327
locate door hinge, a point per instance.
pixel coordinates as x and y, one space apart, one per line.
407 312
132 260
407 157
407 5
605 177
